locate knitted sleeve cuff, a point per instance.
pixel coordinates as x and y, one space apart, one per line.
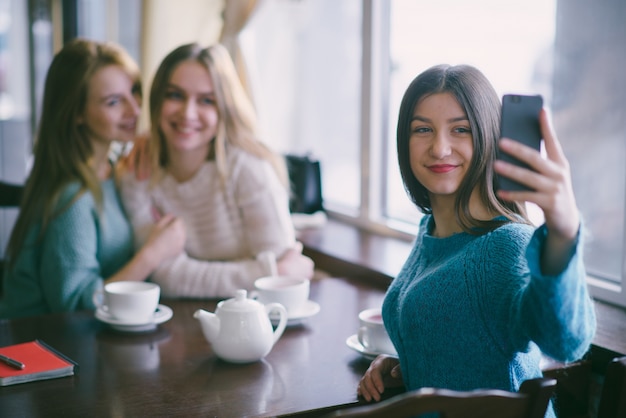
533 252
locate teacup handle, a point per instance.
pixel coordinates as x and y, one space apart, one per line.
362 335
98 299
282 323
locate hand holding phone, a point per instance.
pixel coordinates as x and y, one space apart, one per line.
520 122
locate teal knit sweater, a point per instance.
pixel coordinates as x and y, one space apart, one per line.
468 312
79 249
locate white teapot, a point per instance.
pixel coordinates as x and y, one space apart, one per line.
240 330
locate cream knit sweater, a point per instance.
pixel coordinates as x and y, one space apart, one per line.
234 233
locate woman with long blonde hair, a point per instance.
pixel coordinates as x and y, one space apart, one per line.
72 234
209 167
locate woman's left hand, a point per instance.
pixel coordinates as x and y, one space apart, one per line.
552 188
383 372
137 161
294 263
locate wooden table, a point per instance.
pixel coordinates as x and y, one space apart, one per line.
173 371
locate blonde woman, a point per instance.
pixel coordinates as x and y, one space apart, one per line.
209 168
72 233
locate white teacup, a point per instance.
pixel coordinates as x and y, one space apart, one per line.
291 292
372 333
132 302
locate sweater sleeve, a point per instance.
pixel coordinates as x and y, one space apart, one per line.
557 311
189 277
137 203
554 312
263 206
69 269
263 203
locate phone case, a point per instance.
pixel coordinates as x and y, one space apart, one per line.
519 121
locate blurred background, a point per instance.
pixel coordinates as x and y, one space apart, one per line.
327 77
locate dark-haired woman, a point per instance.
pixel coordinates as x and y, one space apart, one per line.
483 292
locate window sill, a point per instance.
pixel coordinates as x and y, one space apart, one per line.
345 250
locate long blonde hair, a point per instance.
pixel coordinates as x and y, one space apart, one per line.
62 150
237 124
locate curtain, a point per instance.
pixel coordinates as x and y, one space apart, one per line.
236 15
167 24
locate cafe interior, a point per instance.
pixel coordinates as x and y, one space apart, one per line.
326 78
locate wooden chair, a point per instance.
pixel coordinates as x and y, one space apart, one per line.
613 397
582 392
530 402
574 389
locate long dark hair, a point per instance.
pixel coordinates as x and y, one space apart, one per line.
482 106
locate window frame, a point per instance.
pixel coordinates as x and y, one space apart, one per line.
374 127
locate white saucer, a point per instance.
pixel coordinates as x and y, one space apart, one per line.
309 309
353 343
163 313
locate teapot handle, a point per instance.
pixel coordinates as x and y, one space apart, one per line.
282 323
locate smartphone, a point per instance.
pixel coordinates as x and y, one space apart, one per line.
519 121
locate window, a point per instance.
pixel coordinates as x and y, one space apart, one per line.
308 86
589 113
330 76
511 43
110 20
15 117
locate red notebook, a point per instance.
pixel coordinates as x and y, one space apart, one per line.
40 362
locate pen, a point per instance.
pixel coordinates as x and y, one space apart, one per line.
12 362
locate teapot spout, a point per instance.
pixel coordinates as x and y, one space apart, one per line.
210 324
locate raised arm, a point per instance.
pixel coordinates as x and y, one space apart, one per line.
83 248
553 193
166 240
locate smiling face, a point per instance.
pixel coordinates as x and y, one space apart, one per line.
440 144
112 106
189 116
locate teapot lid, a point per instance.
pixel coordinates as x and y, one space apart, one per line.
240 303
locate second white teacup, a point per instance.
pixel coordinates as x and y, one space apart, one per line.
291 292
132 302
372 333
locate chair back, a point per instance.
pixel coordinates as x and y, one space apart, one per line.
10 198
10 195
613 397
574 386
530 402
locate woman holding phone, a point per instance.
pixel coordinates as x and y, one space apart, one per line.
483 292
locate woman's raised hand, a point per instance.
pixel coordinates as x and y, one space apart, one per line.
166 240
294 263
552 192
137 161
